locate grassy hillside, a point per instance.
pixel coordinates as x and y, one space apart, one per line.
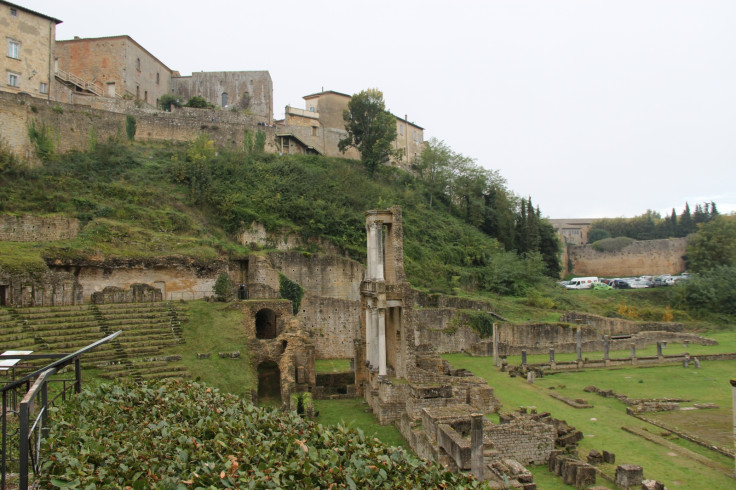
146 200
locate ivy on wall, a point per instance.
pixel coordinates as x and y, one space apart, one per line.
292 291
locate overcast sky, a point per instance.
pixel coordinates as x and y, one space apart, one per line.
592 108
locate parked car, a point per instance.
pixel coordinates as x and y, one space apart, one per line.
620 284
601 285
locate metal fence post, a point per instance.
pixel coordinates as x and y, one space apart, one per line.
23 415
78 375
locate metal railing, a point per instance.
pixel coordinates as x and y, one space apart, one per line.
33 409
79 82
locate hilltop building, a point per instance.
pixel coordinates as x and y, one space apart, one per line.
573 231
250 91
320 126
28 65
115 66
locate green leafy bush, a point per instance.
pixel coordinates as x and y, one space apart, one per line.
713 290
613 244
224 288
198 103
167 101
292 291
42 140
130 127
185 435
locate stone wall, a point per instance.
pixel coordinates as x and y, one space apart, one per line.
526 441
331 304
45 289
71 124
251 90
639 258
28 228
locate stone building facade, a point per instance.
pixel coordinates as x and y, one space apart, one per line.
28 38
117 65
321 126
250 91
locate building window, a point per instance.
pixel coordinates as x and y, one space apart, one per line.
44 89
158 78
401 129
13 12
13 79
14 49
224 99
138 64
314 130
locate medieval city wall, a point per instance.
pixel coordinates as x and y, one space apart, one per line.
71 126
641 257
28 228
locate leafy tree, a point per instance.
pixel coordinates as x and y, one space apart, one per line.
371 129
598 234
434 167
713 290
198 103
713 245
167 101
224 288
686 225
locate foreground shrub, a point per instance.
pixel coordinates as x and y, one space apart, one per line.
185 435
713 291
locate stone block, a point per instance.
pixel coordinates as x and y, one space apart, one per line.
652 485
203 355
609 457
594 457
629 476
585 476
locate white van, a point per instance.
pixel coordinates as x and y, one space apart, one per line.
582 283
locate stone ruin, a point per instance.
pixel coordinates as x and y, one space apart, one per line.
438 410
280 349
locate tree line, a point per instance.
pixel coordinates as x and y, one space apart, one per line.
651 225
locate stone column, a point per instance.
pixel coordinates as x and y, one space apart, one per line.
579 344
370 257
369 336
378 243
551 356
523 358
495 345
606 347
633 350
477 463
374 358
659 349
382 342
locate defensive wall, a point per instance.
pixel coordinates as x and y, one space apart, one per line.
29 228
651 257
71 126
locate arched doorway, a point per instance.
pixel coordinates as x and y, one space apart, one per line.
269 382
224 99
266 324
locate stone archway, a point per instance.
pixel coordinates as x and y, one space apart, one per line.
269 382
266 324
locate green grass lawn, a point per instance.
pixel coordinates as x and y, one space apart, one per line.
355 412
213 328
332 365
602 424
